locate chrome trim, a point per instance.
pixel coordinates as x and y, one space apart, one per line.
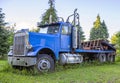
25 37
22 61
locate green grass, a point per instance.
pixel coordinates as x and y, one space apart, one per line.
84 73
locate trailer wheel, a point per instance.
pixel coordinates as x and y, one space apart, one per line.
45 63
110 58
102 58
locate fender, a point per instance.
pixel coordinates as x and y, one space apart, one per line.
36 49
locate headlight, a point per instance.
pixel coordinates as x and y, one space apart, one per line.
29 46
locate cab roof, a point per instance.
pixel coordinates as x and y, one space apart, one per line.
57 23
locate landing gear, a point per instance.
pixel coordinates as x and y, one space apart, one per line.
45 63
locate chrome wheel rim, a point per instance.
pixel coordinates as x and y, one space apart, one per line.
44 65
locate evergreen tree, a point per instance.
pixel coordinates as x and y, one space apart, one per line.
82 36
51 11
4 46
97 23
51 3
99 30
105 30
11 30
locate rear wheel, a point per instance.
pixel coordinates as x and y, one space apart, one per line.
45 63
110 57
102 57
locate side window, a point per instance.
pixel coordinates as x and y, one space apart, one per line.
66 30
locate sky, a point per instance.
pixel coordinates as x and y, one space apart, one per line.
26 13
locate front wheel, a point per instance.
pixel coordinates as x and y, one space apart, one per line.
45 63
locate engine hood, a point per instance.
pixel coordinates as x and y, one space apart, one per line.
43 40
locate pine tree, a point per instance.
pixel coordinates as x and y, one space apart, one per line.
82 36
99 30
51 3
11 30
105 30
95 31
51 11
3 35
97 23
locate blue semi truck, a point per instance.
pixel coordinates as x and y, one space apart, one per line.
57 42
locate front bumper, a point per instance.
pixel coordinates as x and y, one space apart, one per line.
21 61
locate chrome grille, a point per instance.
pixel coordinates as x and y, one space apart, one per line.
19 44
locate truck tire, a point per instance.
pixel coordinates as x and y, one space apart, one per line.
110 58
102 57
45 63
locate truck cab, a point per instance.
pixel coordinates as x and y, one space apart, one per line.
52 39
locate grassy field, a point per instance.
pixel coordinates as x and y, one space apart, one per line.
84 73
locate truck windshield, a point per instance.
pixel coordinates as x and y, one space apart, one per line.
52 29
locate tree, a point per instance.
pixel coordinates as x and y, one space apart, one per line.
105 30
116 40
11 30
51 3
99 30
3 35
97 23
49 12
82 36
118 36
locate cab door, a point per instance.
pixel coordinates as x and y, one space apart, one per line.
65 40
